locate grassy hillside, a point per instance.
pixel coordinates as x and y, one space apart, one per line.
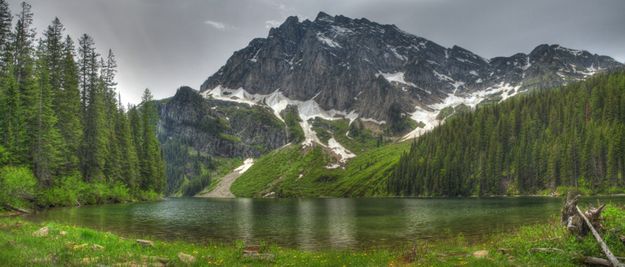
295 172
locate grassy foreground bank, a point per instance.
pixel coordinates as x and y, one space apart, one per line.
23 244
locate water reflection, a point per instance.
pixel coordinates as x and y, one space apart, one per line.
244 218
306 224
340 220
313 223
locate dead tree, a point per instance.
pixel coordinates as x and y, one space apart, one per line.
580 223
573 222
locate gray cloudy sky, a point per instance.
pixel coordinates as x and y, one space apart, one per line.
163 44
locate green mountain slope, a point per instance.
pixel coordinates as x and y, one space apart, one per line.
569 136
294 172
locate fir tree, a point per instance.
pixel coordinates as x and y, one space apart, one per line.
44 135
70 124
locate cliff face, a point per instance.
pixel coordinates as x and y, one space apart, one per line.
218 128
194 132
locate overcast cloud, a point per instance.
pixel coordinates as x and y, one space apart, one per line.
163 44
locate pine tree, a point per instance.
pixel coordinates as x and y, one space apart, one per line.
128 152
23 73
94 148
54 53
6 20
13 117
46 140
152 170
70 123
113 166
87 68
5 59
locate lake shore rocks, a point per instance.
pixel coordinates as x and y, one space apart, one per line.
145 243
44 231
186 258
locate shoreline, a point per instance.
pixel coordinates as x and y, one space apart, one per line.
52 244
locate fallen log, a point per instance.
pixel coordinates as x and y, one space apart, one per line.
606 250
546 250
9 207
597 261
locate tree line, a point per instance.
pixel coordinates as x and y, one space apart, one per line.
61 115
541 141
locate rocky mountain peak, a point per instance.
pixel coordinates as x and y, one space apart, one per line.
322 16
337 66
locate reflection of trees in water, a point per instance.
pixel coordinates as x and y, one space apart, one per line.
244 218
418 218
306 224
341 222
312 223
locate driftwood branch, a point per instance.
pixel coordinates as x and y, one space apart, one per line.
606 250
9 207
546 250
597 261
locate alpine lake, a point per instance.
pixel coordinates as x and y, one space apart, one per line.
315 224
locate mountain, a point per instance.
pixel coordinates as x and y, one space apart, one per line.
355 68
344 87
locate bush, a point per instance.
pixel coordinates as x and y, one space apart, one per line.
148 195
119 193
72 191
17 184
66 191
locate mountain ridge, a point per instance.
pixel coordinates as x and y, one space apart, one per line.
359 67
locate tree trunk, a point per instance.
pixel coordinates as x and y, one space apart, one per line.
9 207
574 222
606 250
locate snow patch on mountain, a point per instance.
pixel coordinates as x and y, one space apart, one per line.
574 52
339 150
429 117
341 30
307 110
246 165
327 41
397 77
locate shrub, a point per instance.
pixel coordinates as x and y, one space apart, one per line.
148 195
72 191
66 191
17 184
119 193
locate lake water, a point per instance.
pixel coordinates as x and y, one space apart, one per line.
314 223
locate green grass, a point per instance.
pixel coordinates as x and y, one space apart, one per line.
270 172
296 172
18 247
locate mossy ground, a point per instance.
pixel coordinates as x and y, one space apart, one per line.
18 247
